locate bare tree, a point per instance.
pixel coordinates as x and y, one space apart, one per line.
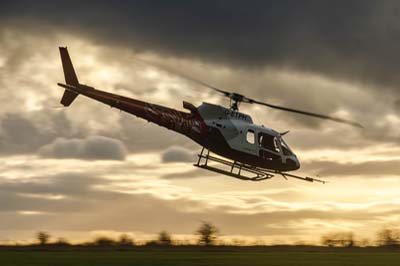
207 233
125 240
389 237
364 242
164 238
43 237
104 241
62 242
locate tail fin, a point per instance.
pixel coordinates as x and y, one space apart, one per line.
70 77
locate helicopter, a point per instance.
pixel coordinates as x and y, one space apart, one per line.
231 143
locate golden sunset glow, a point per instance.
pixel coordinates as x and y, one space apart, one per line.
141 179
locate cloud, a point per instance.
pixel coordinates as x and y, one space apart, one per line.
368 168
141 136
90 148
312 37
178 154
113 69
117 199
194 173
89 203
24 133
49 195
21 133
334 58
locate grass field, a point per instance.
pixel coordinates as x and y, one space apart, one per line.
209 258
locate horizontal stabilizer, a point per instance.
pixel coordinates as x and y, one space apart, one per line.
68 97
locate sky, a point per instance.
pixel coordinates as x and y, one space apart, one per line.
89 170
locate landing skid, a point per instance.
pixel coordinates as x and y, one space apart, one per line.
242 171
237 169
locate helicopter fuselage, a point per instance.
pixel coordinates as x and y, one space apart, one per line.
224 131
233 135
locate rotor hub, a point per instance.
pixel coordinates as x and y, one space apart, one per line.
235 100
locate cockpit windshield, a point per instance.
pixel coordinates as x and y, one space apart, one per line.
273 143
285 148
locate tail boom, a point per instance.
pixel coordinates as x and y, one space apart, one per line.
188 124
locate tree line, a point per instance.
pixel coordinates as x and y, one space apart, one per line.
207 235
384 237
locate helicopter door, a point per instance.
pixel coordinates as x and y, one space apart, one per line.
269 146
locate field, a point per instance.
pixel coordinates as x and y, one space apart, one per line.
204 257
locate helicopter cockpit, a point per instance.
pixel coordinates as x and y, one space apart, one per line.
273 143
273 147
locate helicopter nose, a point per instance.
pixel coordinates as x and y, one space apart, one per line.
292 163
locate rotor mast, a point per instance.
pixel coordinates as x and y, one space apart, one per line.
234 101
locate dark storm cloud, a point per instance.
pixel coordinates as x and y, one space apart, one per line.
354 39
21 133
25 133
91 148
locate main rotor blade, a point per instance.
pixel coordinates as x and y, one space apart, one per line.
241 98
181 75
336 119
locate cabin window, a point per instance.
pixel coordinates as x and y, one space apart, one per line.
250 136
269 142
